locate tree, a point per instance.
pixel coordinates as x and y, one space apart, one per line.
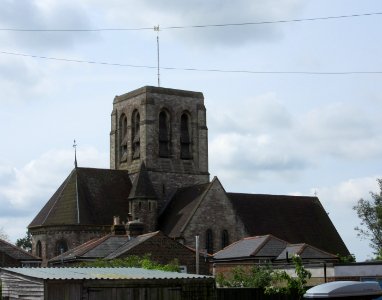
3 235
370 213
25 242
133 261
283 283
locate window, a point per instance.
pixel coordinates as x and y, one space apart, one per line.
61 247
123 138
225 239
209 242
135 135
185 139
164 134
38 249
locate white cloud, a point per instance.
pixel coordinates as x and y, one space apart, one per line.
28 188
338 200
199 12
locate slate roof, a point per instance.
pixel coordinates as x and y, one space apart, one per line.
180 209
306 252
142 186
88 196
99 273
109 247
16 252
296 219
266 246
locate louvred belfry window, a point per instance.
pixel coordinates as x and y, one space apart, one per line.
135 135
123 138
164 134
185 138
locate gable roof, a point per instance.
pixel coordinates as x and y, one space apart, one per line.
258 246
296 219
142 186
16 252
93 249
88 196
306 252
181 208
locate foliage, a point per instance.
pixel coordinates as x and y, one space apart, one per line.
133 261
272 281
256 277
25 242
346 259
3 235
283 283
370 213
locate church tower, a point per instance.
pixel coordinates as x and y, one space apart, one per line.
166 130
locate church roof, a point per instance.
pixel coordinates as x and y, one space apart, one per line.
178 212
16 252
142 185
296 219
88 196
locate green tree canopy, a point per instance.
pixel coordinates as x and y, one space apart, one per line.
25 242
370 213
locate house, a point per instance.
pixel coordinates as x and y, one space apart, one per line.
103 283
268 250
159 175
12 256
160 247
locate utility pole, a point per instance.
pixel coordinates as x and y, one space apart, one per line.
156 28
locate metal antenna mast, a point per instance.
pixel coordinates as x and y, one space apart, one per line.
75 153
156 28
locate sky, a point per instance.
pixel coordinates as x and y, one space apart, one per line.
269 132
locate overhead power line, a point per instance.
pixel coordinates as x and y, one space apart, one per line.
193 26
193 69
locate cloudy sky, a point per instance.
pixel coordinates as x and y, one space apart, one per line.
269 132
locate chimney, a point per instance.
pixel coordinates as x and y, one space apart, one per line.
118 228
135 228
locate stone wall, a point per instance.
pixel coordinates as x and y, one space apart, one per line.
73 235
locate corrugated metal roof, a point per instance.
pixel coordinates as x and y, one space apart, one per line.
100 273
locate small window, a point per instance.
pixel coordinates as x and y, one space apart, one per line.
209 242
61 247
38 249
225 239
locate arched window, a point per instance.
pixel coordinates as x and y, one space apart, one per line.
225 239
61 247
164 134
38 249
135 135
123 138
209 242
185 138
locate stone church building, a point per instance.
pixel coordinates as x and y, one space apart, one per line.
159 180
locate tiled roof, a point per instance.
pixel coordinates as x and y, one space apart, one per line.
109 247
131 244
256 247
99 273
305 251
87 197
15 252
95 248
180 209
295 219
